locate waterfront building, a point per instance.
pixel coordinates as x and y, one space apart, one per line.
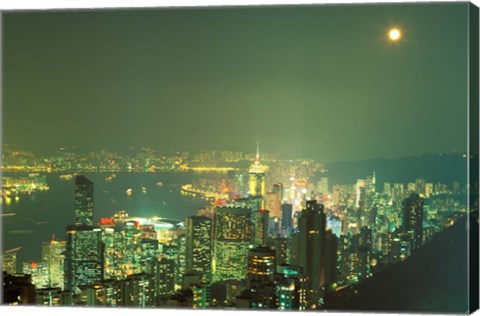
83 201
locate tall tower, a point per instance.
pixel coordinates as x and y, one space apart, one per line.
231 243
83 257
261 227
84 248
413 219
310 248
198 247
256 174
83 201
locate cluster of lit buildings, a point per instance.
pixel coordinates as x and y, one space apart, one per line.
282 249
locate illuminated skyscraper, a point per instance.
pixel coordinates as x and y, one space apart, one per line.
53 252
280 246
291 288
310 244
84 257
256 174
105 293
83 201
180 264
413 219
201 295
199 246
84 249
165 278
287 222
9 262
231 242
39 272
261 265
138 290
273 200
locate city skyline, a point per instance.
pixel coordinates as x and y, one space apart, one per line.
321 85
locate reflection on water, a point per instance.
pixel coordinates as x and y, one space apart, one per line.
35 217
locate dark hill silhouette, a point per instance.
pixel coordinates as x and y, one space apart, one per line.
433 279
431 167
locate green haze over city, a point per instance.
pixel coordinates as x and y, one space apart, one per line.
319 81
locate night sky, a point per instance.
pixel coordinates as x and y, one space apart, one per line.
318 81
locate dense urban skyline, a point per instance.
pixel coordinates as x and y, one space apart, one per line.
316 81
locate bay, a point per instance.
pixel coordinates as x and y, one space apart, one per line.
43 213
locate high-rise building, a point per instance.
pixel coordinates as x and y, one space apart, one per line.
83 201
53 253
413 219
198 248
261 227
147 252
273 200
83 263
165 278
280 246
51 297
322 185
420 186
232 237
180 263
256 174
287 223
39 271
201 295
310 249
330 257
125 251
105 293
428 189
83 257
261 265
9 262
138 290
387 188
291 288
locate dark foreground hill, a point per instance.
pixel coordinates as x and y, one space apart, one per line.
434 279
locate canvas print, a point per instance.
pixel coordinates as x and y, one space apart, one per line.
290 158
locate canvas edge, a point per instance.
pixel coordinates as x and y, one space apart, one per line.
473 161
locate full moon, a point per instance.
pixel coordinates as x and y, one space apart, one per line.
394 35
